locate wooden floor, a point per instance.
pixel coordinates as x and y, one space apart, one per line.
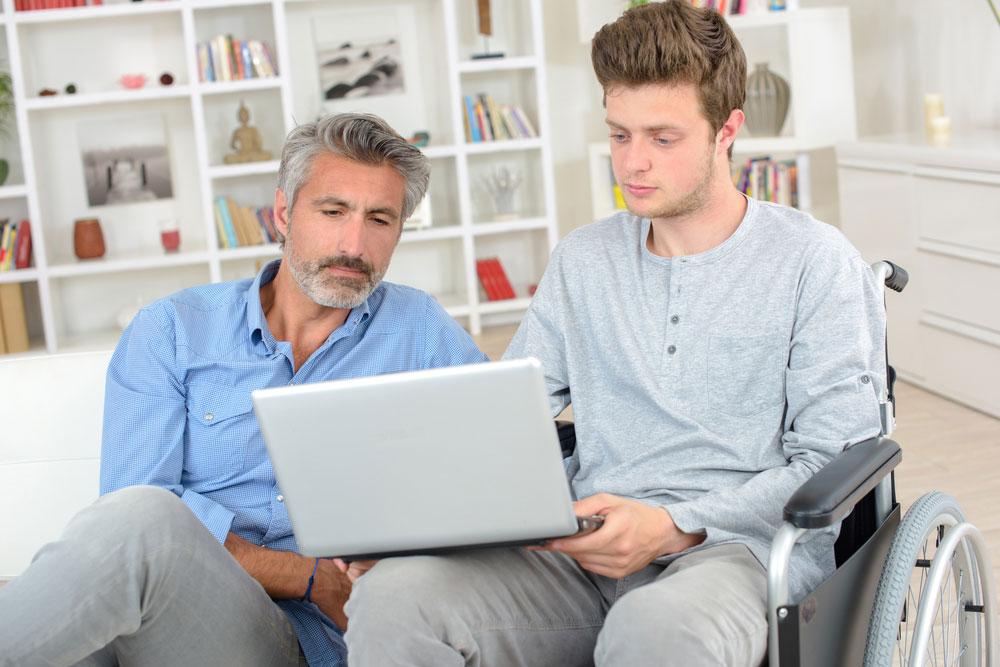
946 447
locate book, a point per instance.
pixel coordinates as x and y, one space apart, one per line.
506 289
522 119
22 249
3 338
15 326
470 118
227 223
220 227
494 279
484 128
487 280
5 229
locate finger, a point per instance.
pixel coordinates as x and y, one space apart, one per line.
597 504
341 565
598 540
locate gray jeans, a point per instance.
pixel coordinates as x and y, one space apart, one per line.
137 580
515 607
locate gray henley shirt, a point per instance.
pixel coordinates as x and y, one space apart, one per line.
712 384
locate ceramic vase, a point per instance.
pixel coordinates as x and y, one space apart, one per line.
767 102
88 240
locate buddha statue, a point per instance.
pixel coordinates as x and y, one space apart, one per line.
246 141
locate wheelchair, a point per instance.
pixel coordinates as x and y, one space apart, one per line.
913 591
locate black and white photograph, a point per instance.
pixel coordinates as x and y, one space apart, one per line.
368 68
368 60
125 160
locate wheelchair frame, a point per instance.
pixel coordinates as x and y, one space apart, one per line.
832 625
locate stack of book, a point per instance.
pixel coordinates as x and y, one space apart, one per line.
769 180
32 5
223 58
494 279
13 324
15 245
485 120
239 226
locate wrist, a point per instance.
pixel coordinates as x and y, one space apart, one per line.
310 583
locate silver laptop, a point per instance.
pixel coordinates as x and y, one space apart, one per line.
418 462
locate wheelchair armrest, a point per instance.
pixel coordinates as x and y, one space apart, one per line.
567 437
829 495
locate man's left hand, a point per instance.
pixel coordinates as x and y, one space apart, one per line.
633 535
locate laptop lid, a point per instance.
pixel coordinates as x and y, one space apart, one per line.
418 462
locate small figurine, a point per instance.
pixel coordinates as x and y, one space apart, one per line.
246 141
484 14
47 92
420 139
501 184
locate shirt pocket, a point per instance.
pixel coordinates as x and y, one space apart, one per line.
220 423
746 374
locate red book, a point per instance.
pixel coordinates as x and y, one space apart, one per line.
503 284
22 246
486 279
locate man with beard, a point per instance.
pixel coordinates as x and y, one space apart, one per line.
717 351
189 557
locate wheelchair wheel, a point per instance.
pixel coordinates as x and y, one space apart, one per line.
930 598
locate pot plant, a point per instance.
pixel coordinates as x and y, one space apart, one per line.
6 114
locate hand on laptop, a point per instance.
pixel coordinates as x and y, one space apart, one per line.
633 535
354 569
330 591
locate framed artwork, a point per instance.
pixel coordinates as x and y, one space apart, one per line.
367 61
125 160
421 218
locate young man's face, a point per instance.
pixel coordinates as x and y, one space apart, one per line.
347 221
663 150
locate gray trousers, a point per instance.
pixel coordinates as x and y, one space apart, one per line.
136 579
514 607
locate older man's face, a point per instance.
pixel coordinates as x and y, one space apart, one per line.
345 226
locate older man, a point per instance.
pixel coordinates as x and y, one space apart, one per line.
195 562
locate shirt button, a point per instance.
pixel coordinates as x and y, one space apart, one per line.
671 349
209 416
675 319
865 379
280 498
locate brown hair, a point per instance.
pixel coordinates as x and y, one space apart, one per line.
672 42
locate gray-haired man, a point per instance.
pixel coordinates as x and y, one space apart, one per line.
196 564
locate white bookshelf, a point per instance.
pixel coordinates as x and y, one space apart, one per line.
73 304
811 50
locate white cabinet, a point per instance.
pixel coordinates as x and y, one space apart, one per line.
809 48
73 304
936 212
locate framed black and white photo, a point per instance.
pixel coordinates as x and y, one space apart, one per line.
366 61
125 160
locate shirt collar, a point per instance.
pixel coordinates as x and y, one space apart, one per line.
257 323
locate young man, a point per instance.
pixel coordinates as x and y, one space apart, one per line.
199 565
717 352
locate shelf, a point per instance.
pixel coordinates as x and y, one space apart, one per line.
104 11
747 145
239 86
134 263
505 226
504 306
248 169
431 234
216 4
13 191
502 145
95 341
250 252
62 101
19 276
497 64
442 151
765 19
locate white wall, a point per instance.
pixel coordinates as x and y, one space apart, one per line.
902 49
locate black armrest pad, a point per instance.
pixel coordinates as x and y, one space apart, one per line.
829 495
567 437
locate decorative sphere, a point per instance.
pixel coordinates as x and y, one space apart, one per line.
70 88
166 79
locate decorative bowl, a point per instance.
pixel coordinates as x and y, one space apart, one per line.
133 81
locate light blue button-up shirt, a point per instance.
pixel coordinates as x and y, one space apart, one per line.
178 414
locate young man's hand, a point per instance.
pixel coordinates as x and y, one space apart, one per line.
633 535
354 569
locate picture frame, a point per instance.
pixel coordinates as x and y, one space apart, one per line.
367 60
125 160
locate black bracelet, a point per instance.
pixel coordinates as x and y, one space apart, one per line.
309 588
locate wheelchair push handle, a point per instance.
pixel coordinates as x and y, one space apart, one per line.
892 275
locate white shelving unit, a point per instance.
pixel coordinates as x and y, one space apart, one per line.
809 48
73 304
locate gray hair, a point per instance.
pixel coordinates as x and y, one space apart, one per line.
361 137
